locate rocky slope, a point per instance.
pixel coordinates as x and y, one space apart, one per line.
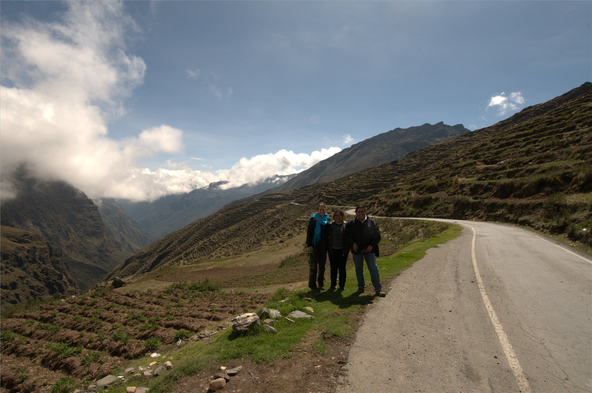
31 268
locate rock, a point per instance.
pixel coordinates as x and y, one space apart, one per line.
309 309
268 321
168 365
108 380
159 371
154 355
130 389
218 384
147 373
142 390
152 364
233 371
129 370
299 314
270 329
222 374
118 283
262 311
245 322
275 314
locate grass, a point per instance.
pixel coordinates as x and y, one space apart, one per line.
332 319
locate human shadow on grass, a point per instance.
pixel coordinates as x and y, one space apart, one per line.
338 298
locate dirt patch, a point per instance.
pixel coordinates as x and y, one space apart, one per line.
304 371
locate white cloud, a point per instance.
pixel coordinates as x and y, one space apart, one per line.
66 80
193 74
347 139
506 104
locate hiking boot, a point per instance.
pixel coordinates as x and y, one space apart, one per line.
360 290
380 293
331 288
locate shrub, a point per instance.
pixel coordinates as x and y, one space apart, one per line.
7 335
91 357
197 286
120 336
182 334
63 385
64 350
152 344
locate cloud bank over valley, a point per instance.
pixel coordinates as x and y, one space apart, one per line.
64 81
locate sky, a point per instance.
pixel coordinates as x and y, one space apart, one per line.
140 99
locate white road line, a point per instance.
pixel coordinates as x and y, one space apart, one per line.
565 249
503 338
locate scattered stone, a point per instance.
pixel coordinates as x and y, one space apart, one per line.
159 371
285 300
309 309
130 389
142 390
152 364
168 365
218 384
147 373
299 314
222 368
290 320
108 380
154 355
262 311
268 321
233 371
275 314
222 375
118 282
308 299
245 322
129 370
270 329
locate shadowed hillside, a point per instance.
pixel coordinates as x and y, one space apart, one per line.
32 268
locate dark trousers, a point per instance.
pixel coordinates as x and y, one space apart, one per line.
316 264
337 261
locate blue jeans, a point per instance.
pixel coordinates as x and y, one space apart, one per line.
372 268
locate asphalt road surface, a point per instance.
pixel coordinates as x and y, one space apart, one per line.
498 309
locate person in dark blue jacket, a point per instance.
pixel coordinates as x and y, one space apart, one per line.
363 237
338 250
317 237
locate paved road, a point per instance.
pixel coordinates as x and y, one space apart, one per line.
498 309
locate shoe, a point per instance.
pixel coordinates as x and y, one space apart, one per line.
341 288
322 288
380 293
332 288
360 290
315 291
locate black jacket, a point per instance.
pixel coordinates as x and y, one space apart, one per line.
364 234
344 245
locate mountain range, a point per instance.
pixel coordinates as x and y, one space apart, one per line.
90 242
173 212
533 169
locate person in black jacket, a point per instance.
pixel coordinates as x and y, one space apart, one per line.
338 250
363 237
317 236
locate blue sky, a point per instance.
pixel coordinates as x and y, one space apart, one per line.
140 99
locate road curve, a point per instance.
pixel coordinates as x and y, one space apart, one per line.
498 309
